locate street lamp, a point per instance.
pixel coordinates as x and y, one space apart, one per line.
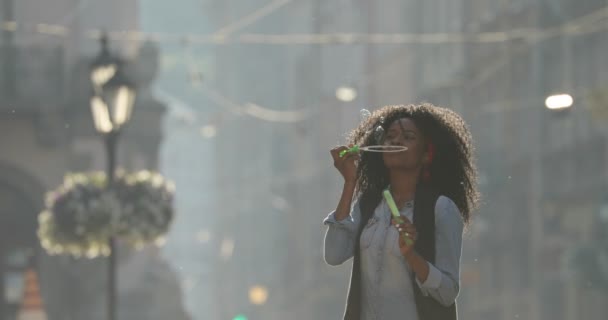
258 295
346 94
111 105
559 101
104 66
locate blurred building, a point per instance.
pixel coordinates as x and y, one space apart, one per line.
187 153
250 231
47 130
543 173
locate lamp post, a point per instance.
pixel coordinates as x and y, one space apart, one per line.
111 105
346 94
559 101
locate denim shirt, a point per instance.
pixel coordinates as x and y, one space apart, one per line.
386 277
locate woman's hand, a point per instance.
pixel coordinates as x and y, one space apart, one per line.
346 165
406 231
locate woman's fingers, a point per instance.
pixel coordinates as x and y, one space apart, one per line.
402 222
335 152
408 233
407 229
349 156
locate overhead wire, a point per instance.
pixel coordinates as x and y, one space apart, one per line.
578 26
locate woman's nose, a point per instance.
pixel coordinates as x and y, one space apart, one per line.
396 141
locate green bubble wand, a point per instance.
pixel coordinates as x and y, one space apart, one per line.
396 215
353 149
379 138
381 148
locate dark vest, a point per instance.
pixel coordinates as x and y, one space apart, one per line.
424 220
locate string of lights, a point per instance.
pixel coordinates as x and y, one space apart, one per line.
251 18
583 25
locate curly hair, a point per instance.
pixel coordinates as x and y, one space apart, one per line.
452 171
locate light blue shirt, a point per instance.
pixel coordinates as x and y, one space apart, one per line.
386 277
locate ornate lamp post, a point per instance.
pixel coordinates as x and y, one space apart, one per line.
111 105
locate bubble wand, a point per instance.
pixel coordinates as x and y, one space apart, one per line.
356 149
391 204
379 140
353 149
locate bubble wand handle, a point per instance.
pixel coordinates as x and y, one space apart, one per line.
353 149
395 212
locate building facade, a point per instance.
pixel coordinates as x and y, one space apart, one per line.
47 130
542 173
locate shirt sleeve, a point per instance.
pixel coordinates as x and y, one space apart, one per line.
339 244
443 281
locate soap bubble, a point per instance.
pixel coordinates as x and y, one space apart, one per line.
379 135
364 115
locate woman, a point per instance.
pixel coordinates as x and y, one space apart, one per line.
433 184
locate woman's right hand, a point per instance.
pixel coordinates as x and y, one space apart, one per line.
346 165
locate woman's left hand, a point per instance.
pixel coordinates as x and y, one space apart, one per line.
406 230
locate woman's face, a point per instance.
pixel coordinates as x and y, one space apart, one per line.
404 132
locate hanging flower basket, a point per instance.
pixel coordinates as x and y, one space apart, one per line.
82 213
